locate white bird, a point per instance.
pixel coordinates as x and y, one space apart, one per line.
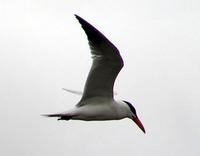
97 102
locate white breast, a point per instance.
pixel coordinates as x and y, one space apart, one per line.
111 110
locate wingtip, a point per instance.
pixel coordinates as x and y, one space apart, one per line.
84 23
78 17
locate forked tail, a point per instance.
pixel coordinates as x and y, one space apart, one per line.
59 115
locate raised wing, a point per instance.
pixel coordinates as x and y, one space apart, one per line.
106 65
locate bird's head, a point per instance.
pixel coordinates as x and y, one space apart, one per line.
134 116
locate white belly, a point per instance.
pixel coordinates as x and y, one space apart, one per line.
96 112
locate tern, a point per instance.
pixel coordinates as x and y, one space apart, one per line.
97 102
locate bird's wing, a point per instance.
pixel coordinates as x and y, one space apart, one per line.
106 65
73 91
78 92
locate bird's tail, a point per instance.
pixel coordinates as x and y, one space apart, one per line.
59 115
52 115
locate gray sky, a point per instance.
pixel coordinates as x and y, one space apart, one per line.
43 49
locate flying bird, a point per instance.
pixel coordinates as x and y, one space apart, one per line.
97 102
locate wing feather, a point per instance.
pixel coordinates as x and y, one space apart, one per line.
106 65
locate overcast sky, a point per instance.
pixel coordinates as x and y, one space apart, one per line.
44 49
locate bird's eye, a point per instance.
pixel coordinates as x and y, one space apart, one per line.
131 107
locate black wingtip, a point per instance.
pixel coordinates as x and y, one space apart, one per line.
92 33
96 38
79 18
83 22
76 15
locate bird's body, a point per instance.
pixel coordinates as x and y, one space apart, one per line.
97 102
98 109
